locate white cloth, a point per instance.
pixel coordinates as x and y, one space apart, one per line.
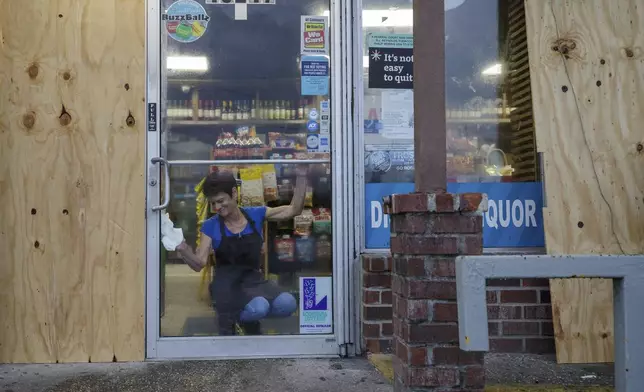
170 237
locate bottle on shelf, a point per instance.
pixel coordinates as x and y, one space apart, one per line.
216 112
187 110
293 107
238 110
225 112
253 110
300 110
201 115
270 111
245 110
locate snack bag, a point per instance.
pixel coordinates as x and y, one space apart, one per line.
269 179
252 188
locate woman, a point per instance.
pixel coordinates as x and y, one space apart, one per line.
239 291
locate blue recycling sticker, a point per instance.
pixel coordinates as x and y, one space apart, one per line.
312 126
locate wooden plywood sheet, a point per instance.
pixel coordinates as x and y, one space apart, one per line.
587 70
72 191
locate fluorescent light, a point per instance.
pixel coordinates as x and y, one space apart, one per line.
187 63
495 69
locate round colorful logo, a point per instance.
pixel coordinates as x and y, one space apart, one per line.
186 21
313 115
313 142
312 126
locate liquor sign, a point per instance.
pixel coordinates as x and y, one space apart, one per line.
391 61
514 218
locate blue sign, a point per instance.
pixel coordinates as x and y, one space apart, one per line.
312 126
315 75
514 218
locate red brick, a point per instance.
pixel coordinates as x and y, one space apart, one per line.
442 290
424 245
442 267
519 296
504 345
470 202
409 223
491 297
534 282
370 296
370 330
454 223
504 312
432 333
547 329
387 329
412 202
473 377
520 328
409 266
471 244
386 297
494 329
540 346
411 309
503 282
378 346
544 297
538 312
376 263
411 355
370 280
455 356
433 377
373 313
445 312
444 202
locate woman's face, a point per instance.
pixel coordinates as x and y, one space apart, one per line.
223 204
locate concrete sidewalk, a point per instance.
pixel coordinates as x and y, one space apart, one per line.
505 373
298 375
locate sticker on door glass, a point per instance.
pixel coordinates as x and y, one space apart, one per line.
186 21
316 315
314 35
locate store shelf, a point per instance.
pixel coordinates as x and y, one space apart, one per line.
477 120
204 123
242 82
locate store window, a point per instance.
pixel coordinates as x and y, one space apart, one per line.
491 145
243 83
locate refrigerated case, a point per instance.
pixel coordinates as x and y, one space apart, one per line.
255 89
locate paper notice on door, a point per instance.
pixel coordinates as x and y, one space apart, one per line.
397 114
314 35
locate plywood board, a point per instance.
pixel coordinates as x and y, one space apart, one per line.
587 70
72 187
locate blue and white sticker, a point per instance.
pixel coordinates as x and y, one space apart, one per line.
185 21
325 144
313 115
313 143
312 126
325 107
316 311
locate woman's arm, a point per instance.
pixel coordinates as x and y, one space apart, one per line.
196 260
297 203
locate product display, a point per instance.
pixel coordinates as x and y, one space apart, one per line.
240 110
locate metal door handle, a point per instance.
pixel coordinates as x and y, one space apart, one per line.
166 183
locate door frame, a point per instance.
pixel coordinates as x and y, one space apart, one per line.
344 247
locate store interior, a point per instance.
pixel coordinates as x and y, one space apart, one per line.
240 99
236 94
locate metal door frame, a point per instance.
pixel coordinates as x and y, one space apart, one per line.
344 246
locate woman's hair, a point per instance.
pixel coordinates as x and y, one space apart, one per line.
219 181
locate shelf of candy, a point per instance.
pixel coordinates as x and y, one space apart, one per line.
232 111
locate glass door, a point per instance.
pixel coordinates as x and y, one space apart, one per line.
244 90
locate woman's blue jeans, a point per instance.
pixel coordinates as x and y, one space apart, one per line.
259 308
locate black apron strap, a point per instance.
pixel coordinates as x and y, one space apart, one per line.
250 220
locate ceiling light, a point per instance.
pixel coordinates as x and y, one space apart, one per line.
495 69
187 63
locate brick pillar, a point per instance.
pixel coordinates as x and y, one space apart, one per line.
428 231
377 327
